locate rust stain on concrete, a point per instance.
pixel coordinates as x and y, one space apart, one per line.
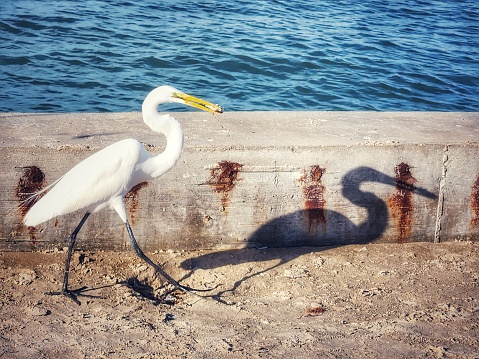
475 202
223 179
30 182
313 191
401 202
132 200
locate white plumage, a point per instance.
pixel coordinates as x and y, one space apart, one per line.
93 184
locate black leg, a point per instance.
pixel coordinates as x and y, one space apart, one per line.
71 243
156 267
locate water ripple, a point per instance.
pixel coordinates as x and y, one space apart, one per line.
277 55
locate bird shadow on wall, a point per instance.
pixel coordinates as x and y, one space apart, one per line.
315 229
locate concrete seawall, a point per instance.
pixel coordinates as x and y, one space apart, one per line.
258 179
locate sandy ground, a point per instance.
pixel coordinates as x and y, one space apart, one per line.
368 301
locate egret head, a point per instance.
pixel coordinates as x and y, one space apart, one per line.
170 94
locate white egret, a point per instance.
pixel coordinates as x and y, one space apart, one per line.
103 179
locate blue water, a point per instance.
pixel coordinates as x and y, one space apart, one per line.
96 56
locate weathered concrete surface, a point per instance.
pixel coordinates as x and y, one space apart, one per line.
259 179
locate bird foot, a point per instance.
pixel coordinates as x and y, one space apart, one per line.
73 294
193 291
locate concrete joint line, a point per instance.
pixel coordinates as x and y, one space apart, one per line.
440 202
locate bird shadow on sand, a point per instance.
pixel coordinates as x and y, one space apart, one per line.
312 230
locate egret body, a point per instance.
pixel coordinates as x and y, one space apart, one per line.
103 179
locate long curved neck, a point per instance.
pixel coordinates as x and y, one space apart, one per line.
167 125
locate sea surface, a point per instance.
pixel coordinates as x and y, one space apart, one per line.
105 56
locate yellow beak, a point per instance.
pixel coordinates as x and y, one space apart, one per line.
198 103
